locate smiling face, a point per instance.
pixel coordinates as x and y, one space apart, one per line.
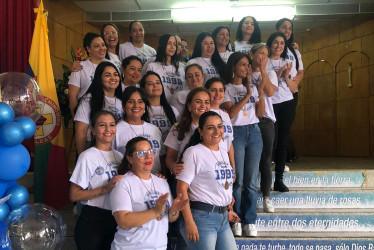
248 26
137 33
97 49
207 47
110 79
223 37
194 77
171 46
241 68
200 104
184 49
132 73
286 29
141 165
277 46
212 131
134 107
110 36
153 86
104 129
217 93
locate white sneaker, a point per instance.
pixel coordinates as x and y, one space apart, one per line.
286 168
268 206
237 229
250 230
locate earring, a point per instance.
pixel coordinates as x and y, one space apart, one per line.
233 75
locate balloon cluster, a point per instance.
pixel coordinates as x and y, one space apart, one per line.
14 163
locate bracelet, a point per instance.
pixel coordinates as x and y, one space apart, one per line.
261 97
174 214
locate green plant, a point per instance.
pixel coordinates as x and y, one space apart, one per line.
62 95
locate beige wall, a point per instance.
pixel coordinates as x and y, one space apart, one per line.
333 119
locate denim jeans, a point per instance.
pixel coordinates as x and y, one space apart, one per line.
214 231
247 151
268 133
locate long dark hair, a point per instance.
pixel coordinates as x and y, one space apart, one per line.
164 103
97 101
184 125
196 138
87 40
256 36
289 42
130 148
93 121
272 38
161 51
126 96
231 63
217 61
213 80
102 35
215 33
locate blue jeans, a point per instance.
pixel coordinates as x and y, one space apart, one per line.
214 231
247 150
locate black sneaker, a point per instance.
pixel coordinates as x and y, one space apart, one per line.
280 187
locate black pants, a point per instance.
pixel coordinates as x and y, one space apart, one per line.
291 151
285 114
268 133
95 229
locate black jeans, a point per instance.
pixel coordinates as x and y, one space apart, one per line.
95 229
285 114
268 133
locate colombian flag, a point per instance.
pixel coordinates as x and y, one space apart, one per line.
51 185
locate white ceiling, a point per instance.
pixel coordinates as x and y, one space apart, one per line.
309 13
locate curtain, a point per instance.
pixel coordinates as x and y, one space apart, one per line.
16 27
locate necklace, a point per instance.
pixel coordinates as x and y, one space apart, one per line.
107 163
237 93
153 184
223 160
113 104
134 130
208 64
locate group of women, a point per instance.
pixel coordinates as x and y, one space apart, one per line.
208 123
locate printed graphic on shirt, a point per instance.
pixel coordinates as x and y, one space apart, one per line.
224 172
151 198
172 82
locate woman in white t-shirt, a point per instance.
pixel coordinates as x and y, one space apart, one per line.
207 181
244 103
168 67
135 122
80 81
194 79
248 33
206 55
104 93
141 202
161 114
221 36
94 177
282 103
131 71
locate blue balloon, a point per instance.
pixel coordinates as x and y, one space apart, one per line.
28 125
4 211
19 197
11 134
15 161
6 113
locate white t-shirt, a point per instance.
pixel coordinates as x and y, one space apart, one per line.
94 169
243 46
115 60
256 77
159 119
83 78
128 49
179 100
290 56
172 80
225 55
125 132
123 86
206 172
145 66
235 93
228 133
135 195
283 92
209 70
172 139
113 105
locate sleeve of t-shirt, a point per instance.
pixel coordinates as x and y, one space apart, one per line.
176 112
301 65
172 139
122 51
227 97
75 79
83 111
189 171
273 77
81 174
120 198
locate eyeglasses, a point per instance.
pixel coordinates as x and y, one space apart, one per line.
145 153
113 33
